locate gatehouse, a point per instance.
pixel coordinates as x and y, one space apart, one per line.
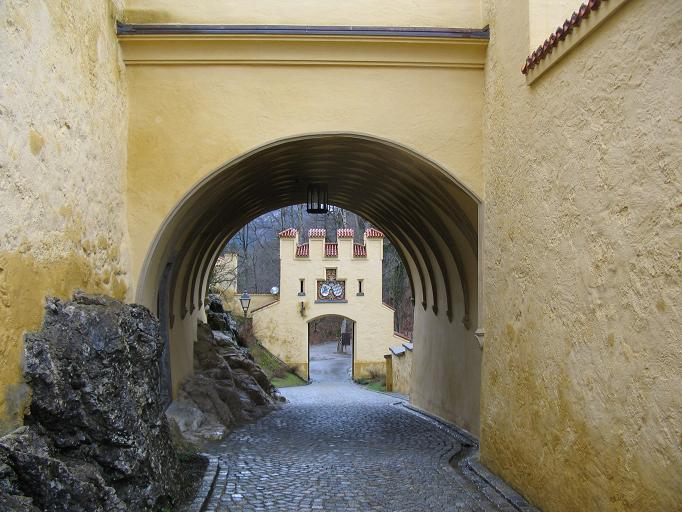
320 278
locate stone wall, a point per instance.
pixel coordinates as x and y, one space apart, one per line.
582 367
63 127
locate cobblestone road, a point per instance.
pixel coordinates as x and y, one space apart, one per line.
336 446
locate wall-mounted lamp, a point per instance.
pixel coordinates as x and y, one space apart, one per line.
317 198
245 300
301 308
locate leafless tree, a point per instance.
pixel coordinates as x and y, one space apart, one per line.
223 276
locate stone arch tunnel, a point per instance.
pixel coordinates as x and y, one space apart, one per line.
429 216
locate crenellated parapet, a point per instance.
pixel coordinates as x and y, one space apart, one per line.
317 246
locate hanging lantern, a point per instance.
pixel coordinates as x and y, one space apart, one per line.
317 198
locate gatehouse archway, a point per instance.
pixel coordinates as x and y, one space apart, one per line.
335 347
430 217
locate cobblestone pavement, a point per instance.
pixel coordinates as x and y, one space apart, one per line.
336 446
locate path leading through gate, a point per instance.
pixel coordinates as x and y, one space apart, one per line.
336 446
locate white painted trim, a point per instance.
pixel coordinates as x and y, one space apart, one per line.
278 50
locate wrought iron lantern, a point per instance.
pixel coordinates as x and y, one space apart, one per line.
318 198
245 300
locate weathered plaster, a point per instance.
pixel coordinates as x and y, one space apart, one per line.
63 124
582 368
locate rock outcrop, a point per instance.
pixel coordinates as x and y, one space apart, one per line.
227 388
218 319
96 438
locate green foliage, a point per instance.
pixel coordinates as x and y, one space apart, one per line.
289 380
375 385
270 364
374 382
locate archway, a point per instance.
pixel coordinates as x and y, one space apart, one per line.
427 214
331 350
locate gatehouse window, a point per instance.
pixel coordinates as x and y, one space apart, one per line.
301 289
360 292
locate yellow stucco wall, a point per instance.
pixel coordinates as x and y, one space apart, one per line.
186 120
198 102
582 369
63 124
446 370
401 366
581 406
406 13
284 330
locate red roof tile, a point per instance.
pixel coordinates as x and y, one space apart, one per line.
373 233
303 250
359 250
560 34
345 233
288 233
331 250
317 233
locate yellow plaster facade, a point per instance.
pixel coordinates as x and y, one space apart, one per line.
202 106
282 326
62 185
582 366
187 120
114 179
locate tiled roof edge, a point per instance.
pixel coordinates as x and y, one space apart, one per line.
288 233
560 34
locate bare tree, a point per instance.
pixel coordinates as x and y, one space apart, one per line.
396 289
223 276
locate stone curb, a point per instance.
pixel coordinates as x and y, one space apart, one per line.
462 436
472 461
207 484
397 396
